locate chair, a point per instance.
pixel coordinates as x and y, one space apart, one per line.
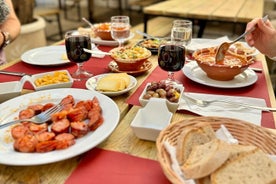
70 4
48 13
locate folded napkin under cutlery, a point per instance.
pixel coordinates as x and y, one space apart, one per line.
222 109
96 49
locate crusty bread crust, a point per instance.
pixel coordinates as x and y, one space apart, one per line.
247 168
205 159
191 136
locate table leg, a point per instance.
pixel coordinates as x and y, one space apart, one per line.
90 5
202 25
146 17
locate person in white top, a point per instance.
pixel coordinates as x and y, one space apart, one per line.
9 26
263 37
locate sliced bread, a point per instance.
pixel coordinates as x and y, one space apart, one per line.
247 168
205 159
191 136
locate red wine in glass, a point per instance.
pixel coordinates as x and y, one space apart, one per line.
171 58
74 47
74 43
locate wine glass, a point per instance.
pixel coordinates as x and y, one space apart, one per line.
171 58
120 28
74 43
182 29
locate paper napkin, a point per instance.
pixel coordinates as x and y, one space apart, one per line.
222 109
95 48
205 43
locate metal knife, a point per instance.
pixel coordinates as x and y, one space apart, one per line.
13 73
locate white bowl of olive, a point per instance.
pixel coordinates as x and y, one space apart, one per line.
171 92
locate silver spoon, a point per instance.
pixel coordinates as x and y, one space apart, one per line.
147 35
220 54
88 22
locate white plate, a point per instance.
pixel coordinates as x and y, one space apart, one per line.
9 110
99 41
91 84
45 56
196 74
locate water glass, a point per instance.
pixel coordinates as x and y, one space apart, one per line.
120 28
182 29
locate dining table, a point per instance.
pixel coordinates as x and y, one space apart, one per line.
202 11
122 157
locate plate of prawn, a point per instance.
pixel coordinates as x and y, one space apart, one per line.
14 153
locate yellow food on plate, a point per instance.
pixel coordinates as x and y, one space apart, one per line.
56 77
64 56
113 82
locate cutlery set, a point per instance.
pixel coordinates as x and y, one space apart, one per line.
205 103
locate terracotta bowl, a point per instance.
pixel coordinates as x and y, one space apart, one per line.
130 58
103 31
224 71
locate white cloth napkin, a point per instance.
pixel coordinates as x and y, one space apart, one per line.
94 47
224 109
205 43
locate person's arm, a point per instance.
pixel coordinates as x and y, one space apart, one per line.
263 37
11 26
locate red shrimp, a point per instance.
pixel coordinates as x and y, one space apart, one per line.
46 146
79 129
64 140
26 114
61 126
77 114
26 144
19 131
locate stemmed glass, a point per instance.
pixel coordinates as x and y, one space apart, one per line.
171 58
182 29
120 28
74 43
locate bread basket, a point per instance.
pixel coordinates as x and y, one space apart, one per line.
247 134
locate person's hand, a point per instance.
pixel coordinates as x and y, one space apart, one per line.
263 37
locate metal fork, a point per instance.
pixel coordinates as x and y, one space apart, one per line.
205 103
38 119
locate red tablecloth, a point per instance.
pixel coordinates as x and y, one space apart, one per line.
102 167
257 90
94 65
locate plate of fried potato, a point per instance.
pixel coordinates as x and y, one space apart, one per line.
111 84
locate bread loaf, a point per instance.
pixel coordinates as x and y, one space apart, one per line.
113 82
247 168
205 159
191 136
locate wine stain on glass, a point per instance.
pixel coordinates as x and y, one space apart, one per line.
74 43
